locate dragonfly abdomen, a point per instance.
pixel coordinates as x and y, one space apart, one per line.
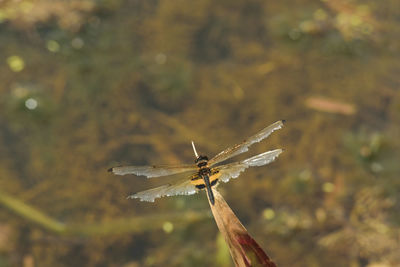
208 188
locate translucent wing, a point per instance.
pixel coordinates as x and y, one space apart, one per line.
179 188
233 170
152 171
244 146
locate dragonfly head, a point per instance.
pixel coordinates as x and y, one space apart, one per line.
200 160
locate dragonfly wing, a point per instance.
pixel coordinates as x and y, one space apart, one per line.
244 146
233 170
152 171
179 188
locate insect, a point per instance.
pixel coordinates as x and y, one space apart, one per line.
205 173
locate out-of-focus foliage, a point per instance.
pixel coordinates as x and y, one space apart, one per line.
25 14
89 84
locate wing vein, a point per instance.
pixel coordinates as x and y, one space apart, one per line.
244 146
152 171
178 188
233 170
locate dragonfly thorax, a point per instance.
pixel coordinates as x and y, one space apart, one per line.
205 171
201 161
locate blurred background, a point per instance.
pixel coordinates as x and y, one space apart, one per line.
86 85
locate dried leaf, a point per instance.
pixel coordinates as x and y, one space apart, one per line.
330 105
243 248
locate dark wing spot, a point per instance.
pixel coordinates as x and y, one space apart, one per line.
213 171
196 177
200 186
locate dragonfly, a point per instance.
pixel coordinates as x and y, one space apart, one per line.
204 173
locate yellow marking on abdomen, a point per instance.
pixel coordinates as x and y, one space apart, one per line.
199 181
214 177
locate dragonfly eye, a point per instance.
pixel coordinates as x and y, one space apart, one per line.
201 158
